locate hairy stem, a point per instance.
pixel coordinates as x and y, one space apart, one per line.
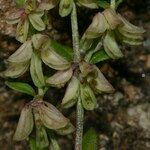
80 111
113 4
79 125
75 34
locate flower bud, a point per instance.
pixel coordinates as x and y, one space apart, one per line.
88 3
111 47
38 40
15 70
25 124
60 78
87 96
52 59
23 54
112 18
51 117
66 130
71 94
65 7
100 84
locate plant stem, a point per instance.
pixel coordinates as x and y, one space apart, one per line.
113 4
77 58
79 125
75 34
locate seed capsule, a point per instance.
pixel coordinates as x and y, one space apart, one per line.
52 59
101 84
23 54
87 96
60 78
25 124
111 47
88 3
71 94
51 117
66 130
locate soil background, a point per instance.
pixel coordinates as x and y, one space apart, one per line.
122 119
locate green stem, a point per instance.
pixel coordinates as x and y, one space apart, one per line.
75 34
79 125
113 4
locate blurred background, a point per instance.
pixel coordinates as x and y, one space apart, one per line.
122 119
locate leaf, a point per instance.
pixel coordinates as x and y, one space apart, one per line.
103 3
99 56
64 51
20 2
21 87
36 71
90 140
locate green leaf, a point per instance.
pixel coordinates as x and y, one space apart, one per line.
99 56
103 3
21 87
64 51
90 140
20 2
32 144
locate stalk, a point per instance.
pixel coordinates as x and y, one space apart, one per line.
77 58
75 34
113 4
